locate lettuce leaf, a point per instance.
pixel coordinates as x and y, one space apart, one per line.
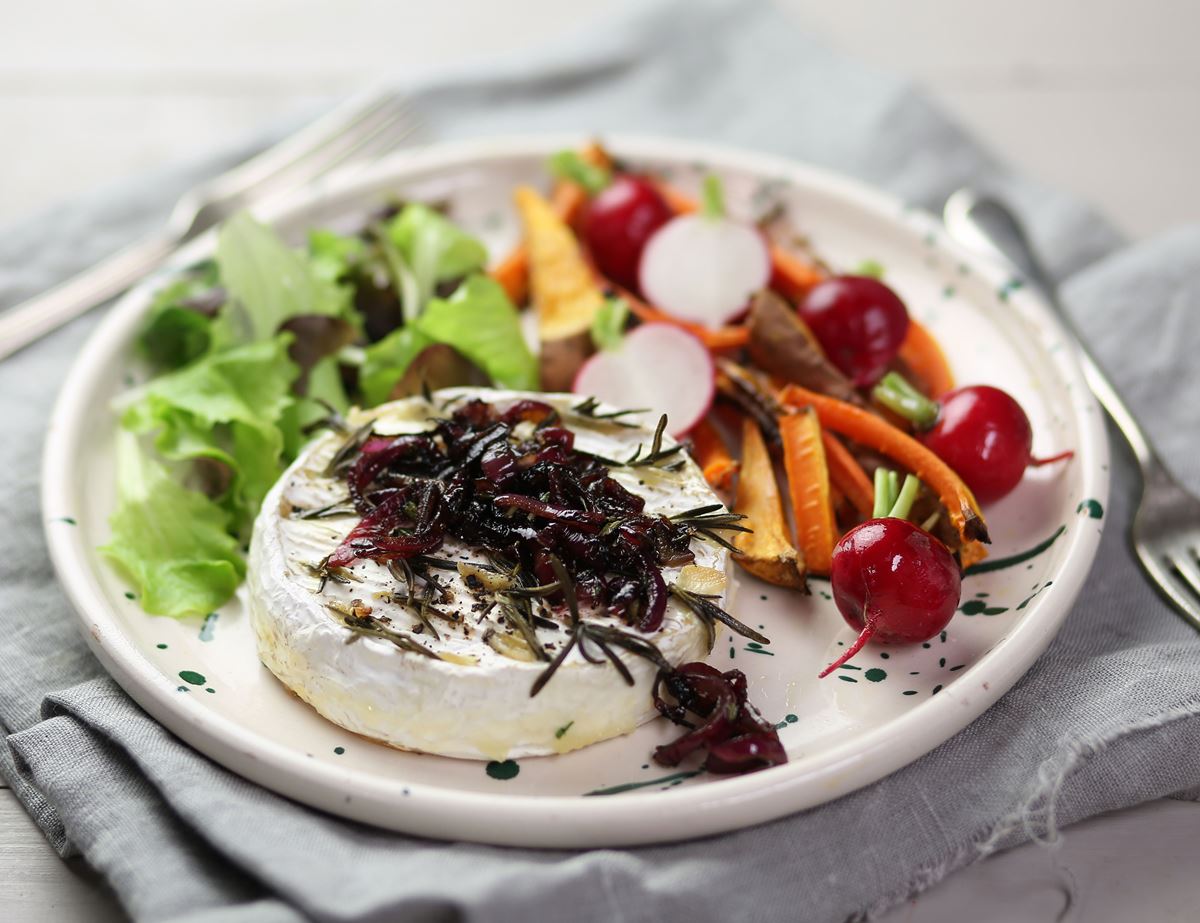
481 323
176 332
171 542
225 407
331 254
268 282
385 362
426 236
433 249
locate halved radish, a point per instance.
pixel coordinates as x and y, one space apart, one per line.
704 267
658 366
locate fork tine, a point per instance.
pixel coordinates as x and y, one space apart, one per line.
373 144
1165 577
394 113
1185 566
330 130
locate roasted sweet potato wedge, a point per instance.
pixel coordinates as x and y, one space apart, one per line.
767 552
565 294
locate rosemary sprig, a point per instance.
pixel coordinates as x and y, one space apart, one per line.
343 507
371 627
653 458
710 613
589 407
325 573
605 637
349 449
709 521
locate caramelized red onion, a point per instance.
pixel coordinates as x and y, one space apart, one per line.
523 496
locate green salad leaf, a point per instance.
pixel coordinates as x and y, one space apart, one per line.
178 330
434 249
481 323
330 255
268 282
170 541
385 362
225 407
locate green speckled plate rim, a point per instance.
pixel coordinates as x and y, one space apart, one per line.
557 821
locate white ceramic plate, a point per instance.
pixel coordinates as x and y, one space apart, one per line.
890 706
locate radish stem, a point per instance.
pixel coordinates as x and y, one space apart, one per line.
712 198
568 165
904 500
900 397
883 497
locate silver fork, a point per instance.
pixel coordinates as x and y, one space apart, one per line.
360 129
1166 528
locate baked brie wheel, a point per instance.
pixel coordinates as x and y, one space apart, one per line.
355 644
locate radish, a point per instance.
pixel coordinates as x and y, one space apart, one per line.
891 580
979 431
657 366
704 267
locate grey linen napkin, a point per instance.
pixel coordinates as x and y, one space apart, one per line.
1107 718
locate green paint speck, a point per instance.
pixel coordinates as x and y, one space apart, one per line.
68 520
161 647
631 786
209 627
129 594
936 689
563 730
182 689
875 675
191 676
1093 507
847 679
210 689
909 692
503 771
948 291
791 719
1008 288
979 607
884 655
339 750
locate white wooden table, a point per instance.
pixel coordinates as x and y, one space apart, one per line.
1097 96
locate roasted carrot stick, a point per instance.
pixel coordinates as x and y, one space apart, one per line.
926 361
791 276
712 455
876 433
847 475
512 272
809 489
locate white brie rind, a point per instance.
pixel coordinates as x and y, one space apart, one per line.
473 701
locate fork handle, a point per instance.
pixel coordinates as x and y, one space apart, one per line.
32 319
986 224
